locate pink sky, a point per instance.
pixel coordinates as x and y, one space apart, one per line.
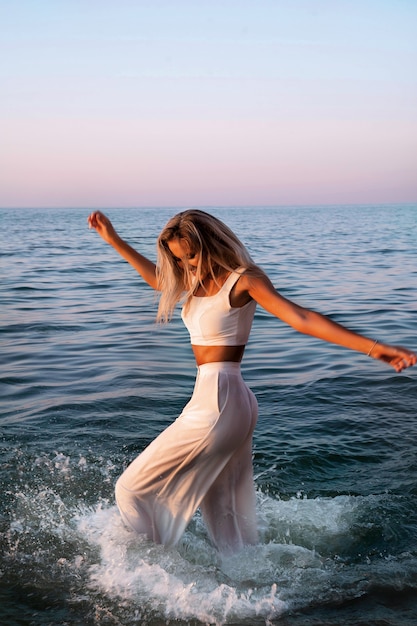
274 103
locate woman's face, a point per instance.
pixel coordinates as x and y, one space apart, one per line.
183 254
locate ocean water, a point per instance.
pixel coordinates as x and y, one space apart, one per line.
88 380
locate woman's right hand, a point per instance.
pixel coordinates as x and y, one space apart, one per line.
142 265
102 225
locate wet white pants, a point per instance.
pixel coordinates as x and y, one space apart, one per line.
203 459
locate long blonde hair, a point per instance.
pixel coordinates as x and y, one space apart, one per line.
215 243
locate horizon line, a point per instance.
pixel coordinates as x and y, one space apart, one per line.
209 206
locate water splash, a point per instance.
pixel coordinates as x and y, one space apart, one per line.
312 552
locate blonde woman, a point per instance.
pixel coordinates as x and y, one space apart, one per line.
204 458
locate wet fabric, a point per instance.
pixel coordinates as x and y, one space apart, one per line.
203 459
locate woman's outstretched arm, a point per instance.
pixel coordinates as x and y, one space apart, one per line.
320 326
105 229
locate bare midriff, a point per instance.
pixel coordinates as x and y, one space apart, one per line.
216 354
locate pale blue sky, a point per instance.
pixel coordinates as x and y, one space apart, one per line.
207 102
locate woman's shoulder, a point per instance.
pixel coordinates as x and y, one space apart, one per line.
249 277
250 273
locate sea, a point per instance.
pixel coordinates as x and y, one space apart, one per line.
88 379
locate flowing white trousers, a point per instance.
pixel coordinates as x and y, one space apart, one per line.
203 459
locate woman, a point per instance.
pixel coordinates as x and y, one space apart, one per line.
204 458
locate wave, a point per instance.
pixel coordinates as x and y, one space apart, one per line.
312 553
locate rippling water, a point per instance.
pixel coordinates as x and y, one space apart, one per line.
87 380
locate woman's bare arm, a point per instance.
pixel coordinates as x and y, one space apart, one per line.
320 326
142 265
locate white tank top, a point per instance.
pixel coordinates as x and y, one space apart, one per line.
212 321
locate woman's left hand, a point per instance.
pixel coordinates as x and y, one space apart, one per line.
399 358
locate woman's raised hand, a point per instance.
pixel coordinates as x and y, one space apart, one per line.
102 225
142 265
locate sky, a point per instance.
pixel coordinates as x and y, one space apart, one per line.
130 103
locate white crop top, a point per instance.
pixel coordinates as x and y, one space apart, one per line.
212 321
